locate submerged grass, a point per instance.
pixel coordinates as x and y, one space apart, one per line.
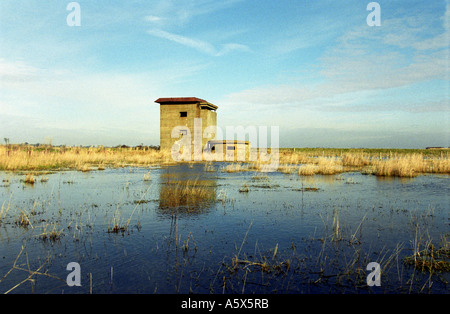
23 220
188 194
333 261
50 234
29 178
430 259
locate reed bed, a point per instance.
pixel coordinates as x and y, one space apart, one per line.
307 170
328 166
399 162
29 178
430 258
397 165
22 158
355 160
404 167
236 167
292 157
189 194
409 166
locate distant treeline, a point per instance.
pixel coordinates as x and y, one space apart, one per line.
41 145
385 152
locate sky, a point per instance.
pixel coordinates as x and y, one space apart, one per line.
315 69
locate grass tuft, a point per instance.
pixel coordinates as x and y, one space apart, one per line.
29 178
430 259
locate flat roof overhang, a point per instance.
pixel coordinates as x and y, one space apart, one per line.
186 100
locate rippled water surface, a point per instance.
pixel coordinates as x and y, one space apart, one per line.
249 232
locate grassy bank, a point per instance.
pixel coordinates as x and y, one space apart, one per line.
380 162
370 152
304 161
27 157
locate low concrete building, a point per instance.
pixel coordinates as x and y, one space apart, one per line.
231 149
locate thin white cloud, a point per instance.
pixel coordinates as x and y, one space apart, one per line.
71 100
16 71
153 18
232 47
438 42
180 13
362 60
409 32
169 15
200 45
156 21
346 74
186 41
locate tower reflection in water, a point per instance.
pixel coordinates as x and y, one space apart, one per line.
187 190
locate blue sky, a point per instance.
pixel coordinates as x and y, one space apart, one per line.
313 68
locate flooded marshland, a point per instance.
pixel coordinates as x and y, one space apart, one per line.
195 228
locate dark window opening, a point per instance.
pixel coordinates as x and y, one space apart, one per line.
183 114
231 148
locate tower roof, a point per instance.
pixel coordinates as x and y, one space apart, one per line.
185 100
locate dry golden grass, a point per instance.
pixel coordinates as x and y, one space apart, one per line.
430 258
4 211
399 165
244 188
236 167
328 166
189 194
23 220
381 162
439 166
410 166
355 160
209 167
405 166
307 170
287 168
29 178
147 176
52 235
293 158
83 159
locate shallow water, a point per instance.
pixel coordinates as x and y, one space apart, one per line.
287 234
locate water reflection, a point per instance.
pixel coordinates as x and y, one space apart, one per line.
331 226
323 179
391 179
186 190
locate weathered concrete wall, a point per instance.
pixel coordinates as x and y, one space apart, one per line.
209 118
170 118
231 150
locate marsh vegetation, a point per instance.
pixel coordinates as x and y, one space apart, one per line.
380 162
138 223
